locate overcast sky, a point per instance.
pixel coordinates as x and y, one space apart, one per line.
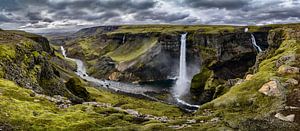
65 15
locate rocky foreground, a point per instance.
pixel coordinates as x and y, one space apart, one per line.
239 88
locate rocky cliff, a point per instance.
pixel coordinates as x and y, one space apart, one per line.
135 51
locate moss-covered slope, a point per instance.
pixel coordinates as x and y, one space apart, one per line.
245 107
20 110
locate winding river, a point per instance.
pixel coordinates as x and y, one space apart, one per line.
127 88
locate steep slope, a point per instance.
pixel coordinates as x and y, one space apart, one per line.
263 100
29 60
20 110
39 91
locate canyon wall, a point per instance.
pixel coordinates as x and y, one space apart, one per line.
220 51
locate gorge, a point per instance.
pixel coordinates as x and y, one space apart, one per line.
152 77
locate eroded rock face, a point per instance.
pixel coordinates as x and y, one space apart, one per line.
270 89
228 56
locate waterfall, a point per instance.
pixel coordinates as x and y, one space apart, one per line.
182 83
254 43
63 51
181 86
81 71
124 38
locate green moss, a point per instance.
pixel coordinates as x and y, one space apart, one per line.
143 106
209 29
36 54
155 126
199 80
22 112
75 86
132 50
7 51
208 55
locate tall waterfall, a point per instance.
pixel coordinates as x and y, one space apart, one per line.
254 43
181 86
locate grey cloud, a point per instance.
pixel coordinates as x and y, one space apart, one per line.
4 18
226 4
104 5
27 13
163 16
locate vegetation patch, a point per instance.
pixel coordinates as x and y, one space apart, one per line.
132 49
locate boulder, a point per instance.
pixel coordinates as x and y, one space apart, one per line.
249 77
292 81
286 69
270 89
75 86
288 59
289 118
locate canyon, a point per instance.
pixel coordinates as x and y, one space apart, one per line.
152 77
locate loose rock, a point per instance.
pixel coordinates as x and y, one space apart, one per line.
249 77
216 119
270 89
191 121
286 69
289 118
292 81
285 60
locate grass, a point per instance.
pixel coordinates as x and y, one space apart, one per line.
20 111
210 29
143 106
7 51
132 50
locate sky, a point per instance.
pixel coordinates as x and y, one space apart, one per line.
69 15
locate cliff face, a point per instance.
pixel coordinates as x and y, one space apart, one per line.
224 56
156 54
264 97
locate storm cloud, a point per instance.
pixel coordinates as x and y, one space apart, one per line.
226 4
52 15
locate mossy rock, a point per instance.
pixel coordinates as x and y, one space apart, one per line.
75 86
199 81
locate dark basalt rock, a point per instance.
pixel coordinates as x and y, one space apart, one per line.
75 86
104 66
227 56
